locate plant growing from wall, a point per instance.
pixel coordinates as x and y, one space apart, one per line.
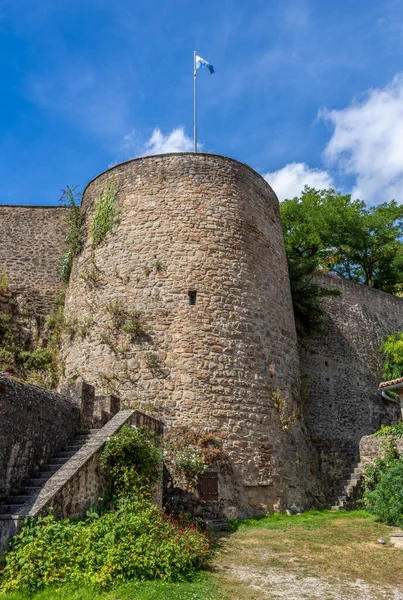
392 347
188 453
105 213
132 325
75 236
153 363
93 275
288 416
124 320
158 266
3 281
132 460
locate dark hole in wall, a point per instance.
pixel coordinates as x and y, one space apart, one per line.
192 297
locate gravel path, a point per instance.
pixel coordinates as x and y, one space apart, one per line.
275 584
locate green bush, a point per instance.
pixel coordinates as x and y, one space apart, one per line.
132 459
132 539
39 358
392 348
390 430
386 500
135 541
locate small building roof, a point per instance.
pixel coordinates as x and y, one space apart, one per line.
394 383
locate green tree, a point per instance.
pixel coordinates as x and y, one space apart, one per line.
331 232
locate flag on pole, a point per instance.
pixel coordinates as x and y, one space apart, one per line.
200 62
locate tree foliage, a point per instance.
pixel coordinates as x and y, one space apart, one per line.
329 231
392 347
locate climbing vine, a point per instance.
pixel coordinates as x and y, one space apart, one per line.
105 213
75 236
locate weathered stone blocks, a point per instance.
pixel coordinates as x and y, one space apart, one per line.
203 225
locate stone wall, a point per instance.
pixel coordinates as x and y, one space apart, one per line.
34 425
341 368
31 245
204 228
372 447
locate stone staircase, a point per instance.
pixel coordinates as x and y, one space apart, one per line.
349 488
17 507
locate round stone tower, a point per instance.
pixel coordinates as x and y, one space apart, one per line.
184 308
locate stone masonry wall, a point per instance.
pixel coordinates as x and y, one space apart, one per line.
341 368
372 447
34 425
31 245
228 364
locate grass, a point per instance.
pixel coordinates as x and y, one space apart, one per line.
331 546
338 549
201 588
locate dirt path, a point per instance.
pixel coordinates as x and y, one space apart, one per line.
326 557
277 584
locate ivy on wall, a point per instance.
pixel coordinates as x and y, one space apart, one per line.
74 240
105 213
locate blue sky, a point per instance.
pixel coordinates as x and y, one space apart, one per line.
305 91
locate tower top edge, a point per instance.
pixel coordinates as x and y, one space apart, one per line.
176 154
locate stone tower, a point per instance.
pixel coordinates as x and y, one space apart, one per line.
197 256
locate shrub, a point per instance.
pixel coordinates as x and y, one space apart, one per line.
133 541
392 348
386 500
39 358
132 459
6 359
390 430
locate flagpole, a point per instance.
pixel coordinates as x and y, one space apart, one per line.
194 104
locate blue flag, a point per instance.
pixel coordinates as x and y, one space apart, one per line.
200 62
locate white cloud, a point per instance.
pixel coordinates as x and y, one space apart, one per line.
289 181
367 142
176 141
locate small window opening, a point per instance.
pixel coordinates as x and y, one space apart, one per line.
192 298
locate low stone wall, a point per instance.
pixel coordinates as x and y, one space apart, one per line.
372 447
80 483
35 424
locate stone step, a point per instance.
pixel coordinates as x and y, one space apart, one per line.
31 489
216 524
49 468
66 454
74 447
59 461
82 438
47 474
36 482
9 508
18 499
